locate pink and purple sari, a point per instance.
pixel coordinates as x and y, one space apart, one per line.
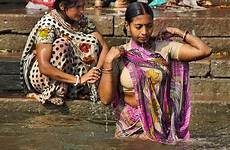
163 113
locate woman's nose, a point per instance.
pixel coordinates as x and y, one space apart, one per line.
144 30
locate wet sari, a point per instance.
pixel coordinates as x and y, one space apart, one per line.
163 111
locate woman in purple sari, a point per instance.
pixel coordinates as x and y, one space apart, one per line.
147 80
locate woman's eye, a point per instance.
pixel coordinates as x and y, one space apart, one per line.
138 27
149 26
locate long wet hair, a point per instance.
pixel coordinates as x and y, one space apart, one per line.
135 9
67 4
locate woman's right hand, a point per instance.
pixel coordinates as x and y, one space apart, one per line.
91 76
114 53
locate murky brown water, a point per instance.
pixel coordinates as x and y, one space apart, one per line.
26 131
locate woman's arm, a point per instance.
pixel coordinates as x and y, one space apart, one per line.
107 86
193 49
43 55
109 78
104 50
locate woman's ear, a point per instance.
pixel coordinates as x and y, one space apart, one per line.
61 6
126 28
126 25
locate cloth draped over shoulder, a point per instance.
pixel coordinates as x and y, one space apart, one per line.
163 114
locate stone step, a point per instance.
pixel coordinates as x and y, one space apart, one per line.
212 25
22 3
91 2
210 78
85 109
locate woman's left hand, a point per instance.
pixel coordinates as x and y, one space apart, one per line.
91 76
169 32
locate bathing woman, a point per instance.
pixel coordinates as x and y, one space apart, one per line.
62 54
147 79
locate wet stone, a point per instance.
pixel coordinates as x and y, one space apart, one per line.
220 68
199 68
210 89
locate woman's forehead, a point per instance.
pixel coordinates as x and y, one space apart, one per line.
142 19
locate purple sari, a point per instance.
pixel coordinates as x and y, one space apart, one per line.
163 112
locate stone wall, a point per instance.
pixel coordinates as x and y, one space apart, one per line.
210 78
89 3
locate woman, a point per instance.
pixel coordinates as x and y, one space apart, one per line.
62 54
146 81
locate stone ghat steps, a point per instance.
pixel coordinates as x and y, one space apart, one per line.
84 109
210 77
91 2
212 25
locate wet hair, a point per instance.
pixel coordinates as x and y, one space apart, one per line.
66 3
135 9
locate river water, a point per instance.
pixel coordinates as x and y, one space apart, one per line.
210 129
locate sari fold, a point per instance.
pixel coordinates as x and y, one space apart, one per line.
164 107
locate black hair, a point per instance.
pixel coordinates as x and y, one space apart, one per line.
135 9
66 3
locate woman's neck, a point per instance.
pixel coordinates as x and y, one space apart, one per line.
65 17
146 45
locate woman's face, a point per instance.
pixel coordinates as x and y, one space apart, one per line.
76 12
141 28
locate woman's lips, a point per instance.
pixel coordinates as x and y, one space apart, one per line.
143 38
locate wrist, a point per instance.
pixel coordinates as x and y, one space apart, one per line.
185 35
180 33
107 70
78 80
107 65
83 80
108 59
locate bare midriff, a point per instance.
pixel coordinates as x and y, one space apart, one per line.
129 98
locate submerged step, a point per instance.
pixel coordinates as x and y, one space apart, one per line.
210 78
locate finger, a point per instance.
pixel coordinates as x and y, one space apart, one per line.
96 76
97 69
92 81
97 72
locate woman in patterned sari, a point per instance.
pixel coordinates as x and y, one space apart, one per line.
62 54
147 80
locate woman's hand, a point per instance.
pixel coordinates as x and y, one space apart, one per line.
91 76
169 32
114 53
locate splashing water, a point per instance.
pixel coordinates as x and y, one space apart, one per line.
93 96
106 121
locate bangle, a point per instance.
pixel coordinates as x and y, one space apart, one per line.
78 80
185 34
109 69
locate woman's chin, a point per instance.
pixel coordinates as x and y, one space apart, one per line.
144 40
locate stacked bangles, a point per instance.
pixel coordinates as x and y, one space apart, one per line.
109 70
